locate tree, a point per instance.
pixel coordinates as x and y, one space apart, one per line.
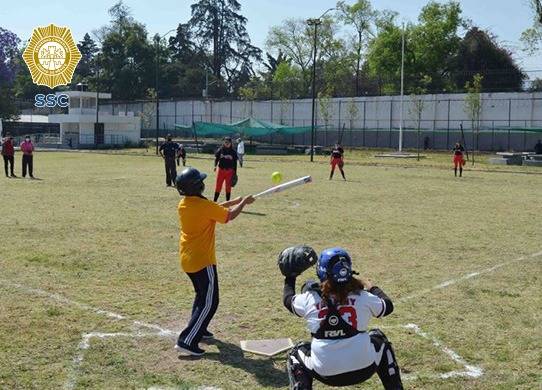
416 109
217 25
128 59
429 47
479 53
288 81
473 107
295 39
85 68
8 66
353 112
532 37
183 65
536 85
362 17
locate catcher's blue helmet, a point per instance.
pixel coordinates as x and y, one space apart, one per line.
334 264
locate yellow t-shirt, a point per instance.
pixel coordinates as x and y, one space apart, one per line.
197 220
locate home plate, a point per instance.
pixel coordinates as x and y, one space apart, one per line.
269 347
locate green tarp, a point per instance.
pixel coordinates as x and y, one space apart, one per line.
248 127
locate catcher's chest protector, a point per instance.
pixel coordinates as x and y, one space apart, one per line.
334 327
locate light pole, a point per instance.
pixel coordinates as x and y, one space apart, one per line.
158 38
402 88
314 22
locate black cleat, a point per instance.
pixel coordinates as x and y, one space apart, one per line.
189 350
207 335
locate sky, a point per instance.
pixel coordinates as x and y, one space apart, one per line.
504 18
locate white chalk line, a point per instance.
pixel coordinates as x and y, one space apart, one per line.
83 306
469 370
71 381
467 276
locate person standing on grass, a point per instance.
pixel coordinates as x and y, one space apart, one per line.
240 151
337 159
27 147
197 220
538 147
226 162
168 151
181 155
459 160
8 153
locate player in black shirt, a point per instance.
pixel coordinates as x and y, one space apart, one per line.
458 159
226 162
337 158
168 151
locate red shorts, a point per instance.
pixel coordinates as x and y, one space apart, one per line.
337 161
458 161
223 175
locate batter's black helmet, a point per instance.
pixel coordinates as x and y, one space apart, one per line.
190 182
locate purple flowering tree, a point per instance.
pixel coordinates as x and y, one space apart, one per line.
9 51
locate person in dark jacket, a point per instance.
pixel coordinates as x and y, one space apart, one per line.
168 151
8 153
225 168
538 147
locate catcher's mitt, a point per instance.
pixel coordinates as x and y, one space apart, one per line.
296 259
234 180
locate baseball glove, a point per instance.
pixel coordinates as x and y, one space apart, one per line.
296 259
234 180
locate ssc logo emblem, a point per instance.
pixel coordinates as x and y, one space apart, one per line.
51 56
333 320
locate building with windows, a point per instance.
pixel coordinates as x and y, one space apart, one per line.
85 125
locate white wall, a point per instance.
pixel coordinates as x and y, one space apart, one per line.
499 110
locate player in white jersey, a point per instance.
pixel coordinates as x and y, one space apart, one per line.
343 350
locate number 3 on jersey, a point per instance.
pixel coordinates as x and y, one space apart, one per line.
348 313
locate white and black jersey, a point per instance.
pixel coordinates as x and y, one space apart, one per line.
333 357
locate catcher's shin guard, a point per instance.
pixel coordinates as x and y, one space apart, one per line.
388 368
299 376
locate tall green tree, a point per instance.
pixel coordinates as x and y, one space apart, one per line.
127 63
430 46
218 27
182 66
479 53
85 68
295 39
362 17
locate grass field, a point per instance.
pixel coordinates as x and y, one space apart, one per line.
92 292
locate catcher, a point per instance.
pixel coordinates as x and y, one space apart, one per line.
337 158
337 311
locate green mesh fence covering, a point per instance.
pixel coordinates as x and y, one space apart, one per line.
248 127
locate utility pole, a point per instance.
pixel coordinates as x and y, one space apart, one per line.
402 88
314 22
158 38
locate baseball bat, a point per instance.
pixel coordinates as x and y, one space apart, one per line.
285 186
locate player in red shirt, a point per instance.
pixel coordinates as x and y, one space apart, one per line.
8 152
459 160
337 158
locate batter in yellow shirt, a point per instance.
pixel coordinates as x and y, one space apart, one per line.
197 219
